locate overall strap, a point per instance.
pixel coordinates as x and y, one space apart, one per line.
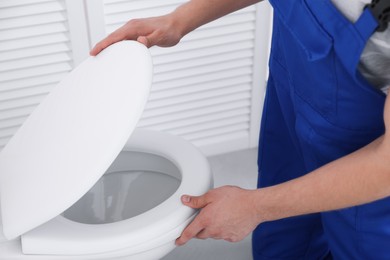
319 26
349 39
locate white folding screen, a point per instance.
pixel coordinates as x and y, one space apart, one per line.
207 89
36 51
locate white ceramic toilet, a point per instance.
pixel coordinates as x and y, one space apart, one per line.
79 181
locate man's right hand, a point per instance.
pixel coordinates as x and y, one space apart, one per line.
161 31
167 30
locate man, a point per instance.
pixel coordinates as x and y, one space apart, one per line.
323 145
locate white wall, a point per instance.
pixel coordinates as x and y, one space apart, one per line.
208 89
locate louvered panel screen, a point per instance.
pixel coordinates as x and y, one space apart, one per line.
201 87
34 55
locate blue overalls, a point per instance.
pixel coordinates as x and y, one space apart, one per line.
318 108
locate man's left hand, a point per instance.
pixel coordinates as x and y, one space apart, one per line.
227 213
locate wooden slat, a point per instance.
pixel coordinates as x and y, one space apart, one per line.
25 10
190 121
201 95
12 122
216 131
195 105
222 138
20 22
12 3
26 92
205 86
34 41
207 126
190 45
202 52
34 61
201 70
149 118
17 112
24 101
37 80
36 71
61 47
136 6
193 80
203 61
33 31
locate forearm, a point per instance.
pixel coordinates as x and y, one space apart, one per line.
195 13
358 178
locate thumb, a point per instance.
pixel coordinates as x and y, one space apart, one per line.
144 40
148 41
195 202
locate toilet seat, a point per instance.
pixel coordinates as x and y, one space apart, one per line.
61 236
77 130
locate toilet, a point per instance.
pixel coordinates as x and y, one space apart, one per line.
79 181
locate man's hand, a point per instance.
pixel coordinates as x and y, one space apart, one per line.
161 31
167 30
227 213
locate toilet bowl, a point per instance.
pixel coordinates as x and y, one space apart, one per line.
132 212
79 181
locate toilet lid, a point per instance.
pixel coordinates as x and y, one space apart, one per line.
73 136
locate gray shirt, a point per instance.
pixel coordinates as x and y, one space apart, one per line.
375 60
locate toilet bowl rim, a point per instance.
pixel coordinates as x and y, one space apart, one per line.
117 235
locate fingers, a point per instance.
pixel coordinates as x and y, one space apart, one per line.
195 202
196 226
205 233
152 31
190 231
148 41
130 31
111 39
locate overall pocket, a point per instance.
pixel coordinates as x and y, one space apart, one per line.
325 142
309 58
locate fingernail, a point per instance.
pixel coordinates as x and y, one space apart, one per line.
186 198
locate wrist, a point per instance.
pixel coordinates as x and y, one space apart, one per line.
266 205
256 206
183 21
178 25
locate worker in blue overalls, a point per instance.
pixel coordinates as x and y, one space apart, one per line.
324 154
